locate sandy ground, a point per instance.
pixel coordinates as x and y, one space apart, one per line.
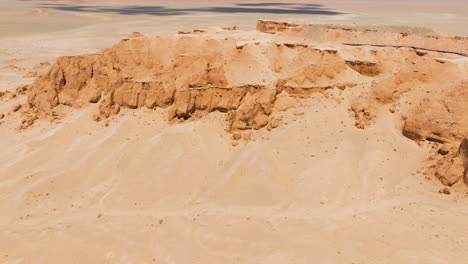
140 191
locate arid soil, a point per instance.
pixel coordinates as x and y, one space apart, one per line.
285 144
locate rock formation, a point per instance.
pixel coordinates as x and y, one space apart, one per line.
192 74
251 76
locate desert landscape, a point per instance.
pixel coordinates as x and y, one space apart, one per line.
234 132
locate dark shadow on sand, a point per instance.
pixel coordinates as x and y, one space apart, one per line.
261 8
279 4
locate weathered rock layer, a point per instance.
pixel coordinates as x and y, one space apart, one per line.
190 74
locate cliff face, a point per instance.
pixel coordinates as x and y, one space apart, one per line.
253 76
191 74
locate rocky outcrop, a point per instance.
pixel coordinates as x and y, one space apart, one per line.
431 108
189 75
440 117
253 76
274 26
451 165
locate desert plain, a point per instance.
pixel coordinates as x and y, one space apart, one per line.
233 132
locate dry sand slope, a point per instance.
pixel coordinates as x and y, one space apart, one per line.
281 145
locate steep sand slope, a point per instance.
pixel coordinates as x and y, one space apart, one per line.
135 188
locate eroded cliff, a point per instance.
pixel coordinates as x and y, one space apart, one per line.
253 76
